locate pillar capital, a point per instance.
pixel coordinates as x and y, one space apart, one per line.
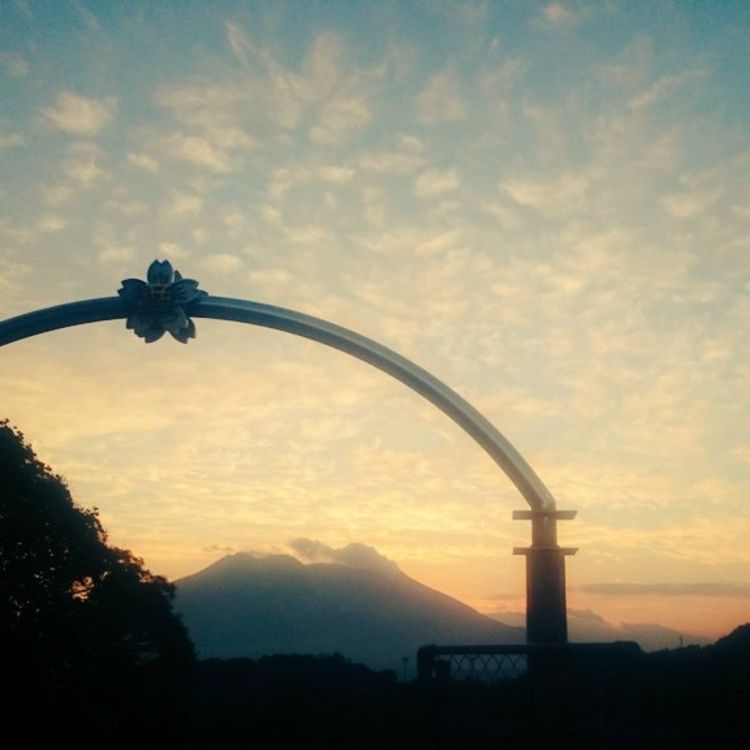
546 612
531 515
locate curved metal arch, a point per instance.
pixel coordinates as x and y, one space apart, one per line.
166 301
255 313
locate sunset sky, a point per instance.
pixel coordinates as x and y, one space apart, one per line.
546 205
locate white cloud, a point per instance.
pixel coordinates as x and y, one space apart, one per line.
184 205
743 211
496 82
288 97
8 140
200 105
663 87
198 151
411 143
329 95
439 243
339 120
15 65
553 196
556 13
127 206
222 263
285 178
373 204
606 337
339 175
230 136
441 100
51 223
310 234
143 161
172 251
238 41
235 221
741 453
80 115
353 555
86 15
324 65
711 589
390 162
85 170
435 182
116 254
687 204
56 195
214 114
270 214
466 12
270 277
12 276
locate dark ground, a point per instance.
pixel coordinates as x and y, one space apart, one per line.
692 697
696 697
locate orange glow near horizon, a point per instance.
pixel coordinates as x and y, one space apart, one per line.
549 210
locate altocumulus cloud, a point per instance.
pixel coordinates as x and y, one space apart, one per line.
435 182
667 589
79 115
353 555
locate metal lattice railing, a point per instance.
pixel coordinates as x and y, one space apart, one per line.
495 664
486 668
485 664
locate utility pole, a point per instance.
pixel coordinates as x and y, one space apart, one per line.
404 662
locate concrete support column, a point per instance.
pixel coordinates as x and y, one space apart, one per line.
546 612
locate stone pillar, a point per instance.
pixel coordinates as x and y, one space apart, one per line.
546 613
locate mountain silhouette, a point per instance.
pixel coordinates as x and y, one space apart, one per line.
585 626
249 606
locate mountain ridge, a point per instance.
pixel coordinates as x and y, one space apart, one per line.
251 606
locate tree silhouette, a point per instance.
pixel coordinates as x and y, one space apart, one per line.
79 619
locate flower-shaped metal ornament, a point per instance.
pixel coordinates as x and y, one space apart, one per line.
156 305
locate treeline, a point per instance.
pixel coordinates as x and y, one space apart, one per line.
89 645
689 697
92 655
704 691
693 697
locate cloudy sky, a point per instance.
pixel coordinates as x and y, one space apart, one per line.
546 205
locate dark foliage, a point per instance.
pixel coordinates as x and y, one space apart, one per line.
82 623
703 691
290 699
92 651
685 698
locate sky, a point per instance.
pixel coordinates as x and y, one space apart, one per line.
544 204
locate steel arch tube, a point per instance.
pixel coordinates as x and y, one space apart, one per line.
317 329
61 316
